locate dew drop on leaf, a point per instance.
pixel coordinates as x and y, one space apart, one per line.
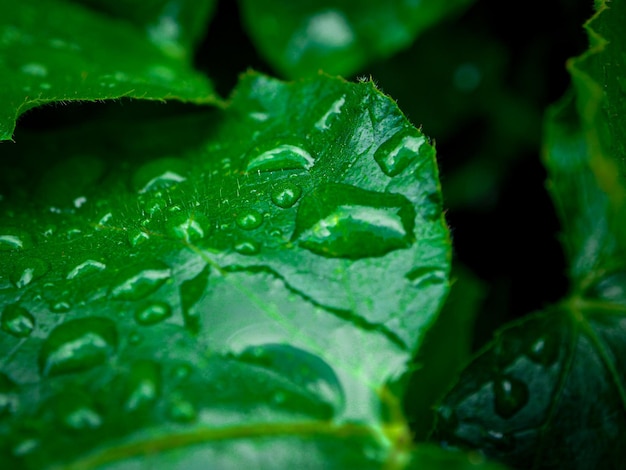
159 174
499 440
248 247
60 306
181 410
191 291
76 411
26 270
286 195
188 227
17 321
510 395
143 386
249 220
139 281
78 345
280 157
308 372
543 350
137 237
342 221
331 115
14 239
85 268
153 313
398 152
8 395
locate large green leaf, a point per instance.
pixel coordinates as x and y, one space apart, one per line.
57 51
231 286
301 38
550 390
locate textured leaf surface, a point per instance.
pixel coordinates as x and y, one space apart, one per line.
57 51
208 287
550 391
300 38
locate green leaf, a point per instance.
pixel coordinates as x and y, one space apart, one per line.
57 51
207 287
550 390
174 25
428 456
301 38
599 79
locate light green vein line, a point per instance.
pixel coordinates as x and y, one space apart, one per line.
202 436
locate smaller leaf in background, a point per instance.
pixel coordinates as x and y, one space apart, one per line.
301 38
550 390
58 51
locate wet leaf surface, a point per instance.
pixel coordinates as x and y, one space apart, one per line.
206 286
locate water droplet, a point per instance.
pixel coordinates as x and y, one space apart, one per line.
181 410
153 205
143 386
35 69
334 110
249 220
139 281
85 268
248 247
153 313
341 221
424 276
286 195
501 441
27 270
17 321
8 395
159 174
308 372
137 237
398 152
543 350
191 291
76 412
13 239
280 157
60 306
510 394
78 345
188 227
135 338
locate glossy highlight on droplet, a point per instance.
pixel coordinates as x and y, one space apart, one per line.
281 157
341 221
159 174
188 227
139 281
17 321
85 268
153 313
398 152
510 395
27 270
78 345
286 195
143 385
14 239
249 220
248 247
543 350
